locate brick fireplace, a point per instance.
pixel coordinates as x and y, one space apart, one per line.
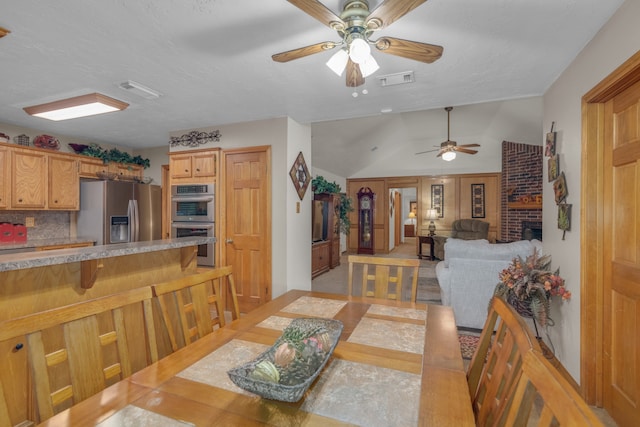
521 181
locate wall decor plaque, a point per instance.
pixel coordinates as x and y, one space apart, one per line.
300 176
477 201
437 199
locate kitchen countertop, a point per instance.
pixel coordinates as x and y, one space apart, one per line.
36 243
19 261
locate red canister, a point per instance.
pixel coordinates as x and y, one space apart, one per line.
6 232
19 233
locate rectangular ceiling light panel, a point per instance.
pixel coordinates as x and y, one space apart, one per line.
79 106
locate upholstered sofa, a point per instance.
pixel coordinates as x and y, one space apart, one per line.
466 229
470 272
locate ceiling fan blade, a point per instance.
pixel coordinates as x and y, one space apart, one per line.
465 150
290 55
469 145
319 11
428 151
417 51
354 75
390 11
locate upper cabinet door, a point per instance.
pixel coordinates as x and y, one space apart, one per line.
29 171
64 183
204 164
180 166
5 177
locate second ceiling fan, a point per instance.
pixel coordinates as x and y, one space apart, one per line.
449 148
355 26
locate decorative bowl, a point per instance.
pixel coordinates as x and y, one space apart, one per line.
47 141
78 148
107 175
300 371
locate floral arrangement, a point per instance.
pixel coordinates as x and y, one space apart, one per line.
528 286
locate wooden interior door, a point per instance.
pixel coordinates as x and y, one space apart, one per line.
246 230
397 201
622 257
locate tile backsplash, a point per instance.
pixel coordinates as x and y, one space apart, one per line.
48 224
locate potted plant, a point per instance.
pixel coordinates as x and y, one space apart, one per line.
528 286
320 185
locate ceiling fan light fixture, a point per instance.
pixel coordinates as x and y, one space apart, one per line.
369 66
447 156
338 61
79 106
359 50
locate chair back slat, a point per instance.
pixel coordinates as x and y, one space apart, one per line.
77 350
192 306
496 364
544 397
383 277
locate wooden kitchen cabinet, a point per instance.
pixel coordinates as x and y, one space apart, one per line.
89 166
5 177
64 183
29 186
320 258
193 166
125 170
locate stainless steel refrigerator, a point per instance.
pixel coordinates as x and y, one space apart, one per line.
119 212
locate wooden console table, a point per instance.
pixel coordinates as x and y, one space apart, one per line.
425 240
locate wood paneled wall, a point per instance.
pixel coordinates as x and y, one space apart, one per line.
457 203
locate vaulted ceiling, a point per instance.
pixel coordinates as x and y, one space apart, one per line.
211 61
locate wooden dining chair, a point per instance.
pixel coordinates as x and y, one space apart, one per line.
383 277
543 397
194 304
75 351
497 362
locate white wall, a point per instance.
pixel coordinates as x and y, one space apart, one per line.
298 224
289 232
614 44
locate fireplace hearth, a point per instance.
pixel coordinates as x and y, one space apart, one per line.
532 230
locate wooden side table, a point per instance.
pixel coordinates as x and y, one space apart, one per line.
425 240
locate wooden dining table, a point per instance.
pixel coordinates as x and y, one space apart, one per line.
396 364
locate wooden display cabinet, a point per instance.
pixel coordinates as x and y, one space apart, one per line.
320 258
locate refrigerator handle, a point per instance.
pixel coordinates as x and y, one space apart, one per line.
134 223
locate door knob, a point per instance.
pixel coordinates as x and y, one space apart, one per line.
229 241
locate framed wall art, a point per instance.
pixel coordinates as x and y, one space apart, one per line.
560 188
550 144
477 201
413 207
564 218
553 167
437 199
300 176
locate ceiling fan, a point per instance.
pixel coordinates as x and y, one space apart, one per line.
449 148
355 26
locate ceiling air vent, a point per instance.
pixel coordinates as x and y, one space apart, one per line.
396 79
138 89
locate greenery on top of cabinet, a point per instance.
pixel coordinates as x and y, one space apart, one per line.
320 185
114 155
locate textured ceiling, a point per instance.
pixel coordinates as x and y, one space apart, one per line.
211 60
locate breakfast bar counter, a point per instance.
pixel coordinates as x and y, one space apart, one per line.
35 281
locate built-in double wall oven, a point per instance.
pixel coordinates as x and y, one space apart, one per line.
193 214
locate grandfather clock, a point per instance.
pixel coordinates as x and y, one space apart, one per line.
366 199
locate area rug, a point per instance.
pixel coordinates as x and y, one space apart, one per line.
468 343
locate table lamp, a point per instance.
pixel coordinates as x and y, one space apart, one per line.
431 215
412 217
